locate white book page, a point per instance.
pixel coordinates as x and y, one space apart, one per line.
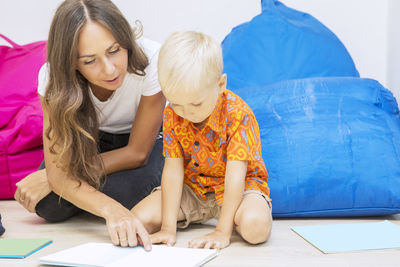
161 255
89 254
108 255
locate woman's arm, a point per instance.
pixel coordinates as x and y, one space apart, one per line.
32 189
121 223
35 186
144 131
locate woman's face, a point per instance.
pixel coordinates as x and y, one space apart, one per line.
102 61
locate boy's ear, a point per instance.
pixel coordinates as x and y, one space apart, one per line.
222 83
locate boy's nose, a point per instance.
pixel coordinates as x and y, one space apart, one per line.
187 112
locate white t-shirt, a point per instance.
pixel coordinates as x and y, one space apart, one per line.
116 114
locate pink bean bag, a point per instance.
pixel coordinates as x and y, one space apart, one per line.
21 117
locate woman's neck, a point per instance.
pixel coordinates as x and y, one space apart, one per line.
101 93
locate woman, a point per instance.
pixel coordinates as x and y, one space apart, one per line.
99 93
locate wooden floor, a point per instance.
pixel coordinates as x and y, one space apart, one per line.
285 248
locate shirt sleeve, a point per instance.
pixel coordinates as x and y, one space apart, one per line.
151 84
43 79
245 143
171 146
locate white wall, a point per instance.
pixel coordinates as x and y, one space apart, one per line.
393 48
215 17
26 20
361 25
368 28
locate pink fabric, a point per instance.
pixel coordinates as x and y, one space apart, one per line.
21 117
15 167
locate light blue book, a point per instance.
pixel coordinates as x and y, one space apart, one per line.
333 238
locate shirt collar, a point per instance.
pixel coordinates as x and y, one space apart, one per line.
216 119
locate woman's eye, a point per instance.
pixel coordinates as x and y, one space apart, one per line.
196 104
116 50
89 62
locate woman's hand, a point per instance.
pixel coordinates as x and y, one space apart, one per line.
167 237
32 189
216 239
126 229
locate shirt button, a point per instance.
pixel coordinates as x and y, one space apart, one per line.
196 164
196 143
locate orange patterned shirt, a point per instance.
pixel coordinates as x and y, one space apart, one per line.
230 133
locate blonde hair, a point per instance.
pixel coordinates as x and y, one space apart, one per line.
189 60
73 129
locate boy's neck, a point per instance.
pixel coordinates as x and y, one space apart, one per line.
200 125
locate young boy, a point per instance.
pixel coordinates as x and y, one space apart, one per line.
213 165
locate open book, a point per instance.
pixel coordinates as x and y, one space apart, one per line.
108 255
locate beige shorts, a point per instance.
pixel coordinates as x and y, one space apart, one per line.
196 210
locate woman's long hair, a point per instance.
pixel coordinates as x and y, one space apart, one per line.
74 127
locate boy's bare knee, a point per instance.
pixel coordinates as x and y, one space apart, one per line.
151 224
148 211
255 229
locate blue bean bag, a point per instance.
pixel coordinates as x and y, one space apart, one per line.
281 44
331 146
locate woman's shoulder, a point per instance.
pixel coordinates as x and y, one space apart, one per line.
148 84
43 78
150 47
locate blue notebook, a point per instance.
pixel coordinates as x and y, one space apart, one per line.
333 238
19 248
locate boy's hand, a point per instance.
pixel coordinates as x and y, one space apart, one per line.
167 237
216 239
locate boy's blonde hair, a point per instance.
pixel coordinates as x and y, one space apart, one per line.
188 61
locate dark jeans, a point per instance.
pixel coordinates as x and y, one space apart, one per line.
2 230
127 187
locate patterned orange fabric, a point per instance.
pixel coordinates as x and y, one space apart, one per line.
231 133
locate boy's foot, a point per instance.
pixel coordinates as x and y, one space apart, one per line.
2 230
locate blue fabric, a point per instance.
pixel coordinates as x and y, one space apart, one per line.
331 146
281 44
